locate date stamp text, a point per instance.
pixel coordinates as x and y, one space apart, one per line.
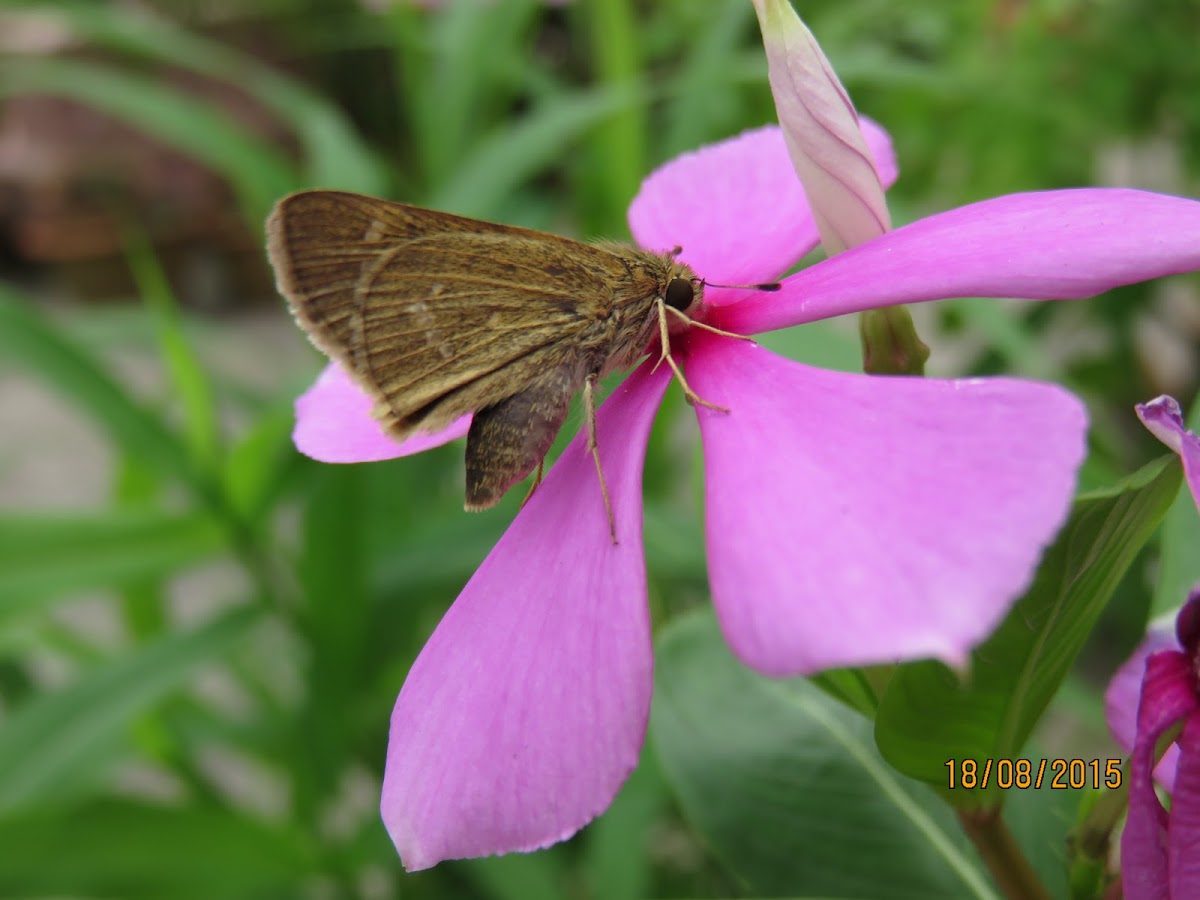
1056 774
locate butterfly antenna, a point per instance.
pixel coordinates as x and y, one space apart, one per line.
765 286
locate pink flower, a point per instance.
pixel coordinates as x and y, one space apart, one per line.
850 519
1164 419
1156 690
1160 851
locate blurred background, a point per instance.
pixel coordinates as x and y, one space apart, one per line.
202 633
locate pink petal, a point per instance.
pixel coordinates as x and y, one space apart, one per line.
1183 842
1163 417
736 207
822 132
334 424
1054 245
526 709
856 519
1167 697
1121 700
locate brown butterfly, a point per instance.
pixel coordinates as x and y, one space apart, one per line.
435 316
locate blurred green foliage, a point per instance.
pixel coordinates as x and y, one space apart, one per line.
233 747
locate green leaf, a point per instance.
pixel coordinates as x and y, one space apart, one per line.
197 128
929 715
615 865
703 104
518 876
56 734
143 600
787 787
257 465
333 572
515 152
448 549
45 557
189 379
458 66
674 544
30 340
617 150
123 848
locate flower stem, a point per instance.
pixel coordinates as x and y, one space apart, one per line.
890 343
1002 855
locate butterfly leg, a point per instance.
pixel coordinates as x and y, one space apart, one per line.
664 336
589 405
537 480
692 323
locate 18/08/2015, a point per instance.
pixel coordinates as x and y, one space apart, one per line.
1057 774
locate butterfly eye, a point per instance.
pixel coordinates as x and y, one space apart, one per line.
679 294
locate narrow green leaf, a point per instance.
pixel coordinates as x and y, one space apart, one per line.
787 787
617 148
47 557
333 574
256 466
704 104
28 339
54 734
857 688
122 848
142 600
471 47
188 377
511 155
929 715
